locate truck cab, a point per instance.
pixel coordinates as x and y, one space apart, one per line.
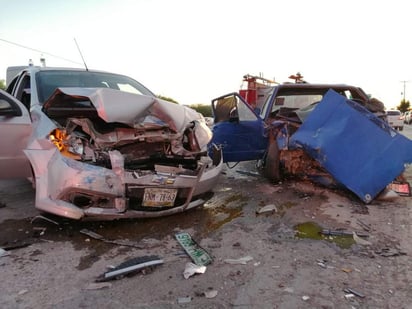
332 134
243 129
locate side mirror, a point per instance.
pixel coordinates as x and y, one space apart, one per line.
6 109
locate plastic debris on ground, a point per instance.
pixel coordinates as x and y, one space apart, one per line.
198 255
98 285
22 292
184 300
3 252
45 219
192 269
267 208
360 241
210 294
354 292
242 260
388 252
329 232
119 242
129 267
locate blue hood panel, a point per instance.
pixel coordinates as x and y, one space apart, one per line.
358 149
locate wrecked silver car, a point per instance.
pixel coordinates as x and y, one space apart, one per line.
101 146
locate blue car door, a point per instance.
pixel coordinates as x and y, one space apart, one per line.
237 129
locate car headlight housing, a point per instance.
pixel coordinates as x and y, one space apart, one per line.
69 145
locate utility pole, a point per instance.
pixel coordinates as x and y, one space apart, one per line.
404 88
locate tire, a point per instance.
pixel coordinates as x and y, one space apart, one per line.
272 162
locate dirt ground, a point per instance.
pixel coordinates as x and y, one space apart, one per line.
54 265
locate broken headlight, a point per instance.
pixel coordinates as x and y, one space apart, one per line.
71 145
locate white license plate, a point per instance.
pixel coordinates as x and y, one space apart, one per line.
155 197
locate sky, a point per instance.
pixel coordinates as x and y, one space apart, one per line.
193 51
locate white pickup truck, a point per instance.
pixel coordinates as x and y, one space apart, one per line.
395 120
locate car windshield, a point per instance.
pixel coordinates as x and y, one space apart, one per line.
48 81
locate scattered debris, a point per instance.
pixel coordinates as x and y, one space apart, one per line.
387 195
346 270
115 242
130 266
91 234
44 218
321 264
305 297
402 188
3 252
210 294
365 226
289 290
184 300
16 246
360 241
329 232
387 252
98 285
192 269
352 291
197 254
39 231
267 208
242 260
248 173
350 295
22 292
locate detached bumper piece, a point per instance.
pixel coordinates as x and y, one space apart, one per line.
129 267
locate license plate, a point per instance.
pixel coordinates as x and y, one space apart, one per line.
199 255
155 197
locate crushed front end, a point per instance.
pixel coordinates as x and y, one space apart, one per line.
121 155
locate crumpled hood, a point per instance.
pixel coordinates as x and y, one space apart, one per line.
132 109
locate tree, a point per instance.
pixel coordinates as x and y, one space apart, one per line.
167 99
205 110
2 84
403 106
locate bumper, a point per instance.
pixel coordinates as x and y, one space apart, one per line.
77 190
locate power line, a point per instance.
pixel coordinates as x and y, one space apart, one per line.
39 51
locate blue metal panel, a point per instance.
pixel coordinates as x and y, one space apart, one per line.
358 149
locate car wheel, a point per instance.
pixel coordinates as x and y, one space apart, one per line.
400 128
271 168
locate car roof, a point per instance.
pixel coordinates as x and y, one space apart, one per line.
37 69
315 86
393 111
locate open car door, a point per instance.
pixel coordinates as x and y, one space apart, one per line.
15 130
237 129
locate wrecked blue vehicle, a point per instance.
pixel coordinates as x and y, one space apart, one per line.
332 134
